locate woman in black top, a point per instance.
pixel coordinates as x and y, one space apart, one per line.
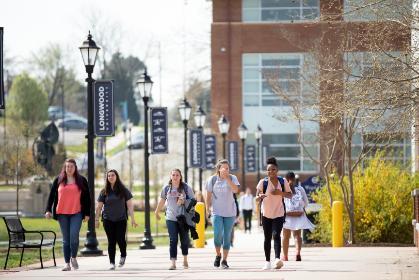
115 200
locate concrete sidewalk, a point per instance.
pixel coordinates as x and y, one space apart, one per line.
245 260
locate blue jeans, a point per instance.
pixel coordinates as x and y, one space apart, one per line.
222 231
175 231
70 229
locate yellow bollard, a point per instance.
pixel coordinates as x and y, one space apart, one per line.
337 224
200 227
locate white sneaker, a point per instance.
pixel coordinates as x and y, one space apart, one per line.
267 266
74 263
66 267
278 264
112 267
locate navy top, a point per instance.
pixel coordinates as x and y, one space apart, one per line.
114 206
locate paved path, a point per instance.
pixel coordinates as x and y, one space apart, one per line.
246 259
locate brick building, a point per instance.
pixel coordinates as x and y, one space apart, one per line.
251 36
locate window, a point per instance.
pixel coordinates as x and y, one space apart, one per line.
280 10
265 75
290 154
373 10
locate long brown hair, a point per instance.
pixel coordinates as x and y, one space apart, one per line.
62 178
119 187
218 166
181 184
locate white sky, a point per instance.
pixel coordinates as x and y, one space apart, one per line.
180 27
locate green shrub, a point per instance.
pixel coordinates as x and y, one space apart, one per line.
383 204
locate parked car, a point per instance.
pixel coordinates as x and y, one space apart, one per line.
56 113
72 123
137 141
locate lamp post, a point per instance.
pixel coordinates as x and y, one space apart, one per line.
185 111
223 126
258 136
145 84
199 117
242 130
130 154
89 52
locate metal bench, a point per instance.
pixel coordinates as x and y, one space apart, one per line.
18 238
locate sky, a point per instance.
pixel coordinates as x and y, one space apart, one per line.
171 36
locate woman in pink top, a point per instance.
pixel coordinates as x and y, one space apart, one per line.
69 203
270 192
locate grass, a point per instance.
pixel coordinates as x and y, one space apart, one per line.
120 147
32 255
76 149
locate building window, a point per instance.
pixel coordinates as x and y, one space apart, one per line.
266 74
368 10
280 10
290 154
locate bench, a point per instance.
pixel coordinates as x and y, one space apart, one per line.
18 238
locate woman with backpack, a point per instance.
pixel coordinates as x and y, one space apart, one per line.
115 203
296 218
175 194
270 192
221 188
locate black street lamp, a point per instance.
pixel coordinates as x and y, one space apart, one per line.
242 130
223 126
185 111
258 136
89 52
145 84
199 117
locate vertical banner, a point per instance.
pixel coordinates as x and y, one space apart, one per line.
196 136
251 158
159 130
210 146
104 123
1 70
233 155
264 157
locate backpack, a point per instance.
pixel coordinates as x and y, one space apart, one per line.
265 187
213 181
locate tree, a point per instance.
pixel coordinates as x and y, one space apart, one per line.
28 104
125 71
56 74
356 83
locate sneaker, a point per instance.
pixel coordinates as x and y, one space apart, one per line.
217 261
172 267
66 267
74 263
224 264
121 261
278 264
185 264
267 266
112 266
298 258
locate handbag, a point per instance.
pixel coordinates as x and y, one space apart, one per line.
295 213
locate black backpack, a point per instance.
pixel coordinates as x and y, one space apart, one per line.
213 180
265 187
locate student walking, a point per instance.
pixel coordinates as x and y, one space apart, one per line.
247 205
296 218
220 188
69 203
271 191
176 194
115 204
